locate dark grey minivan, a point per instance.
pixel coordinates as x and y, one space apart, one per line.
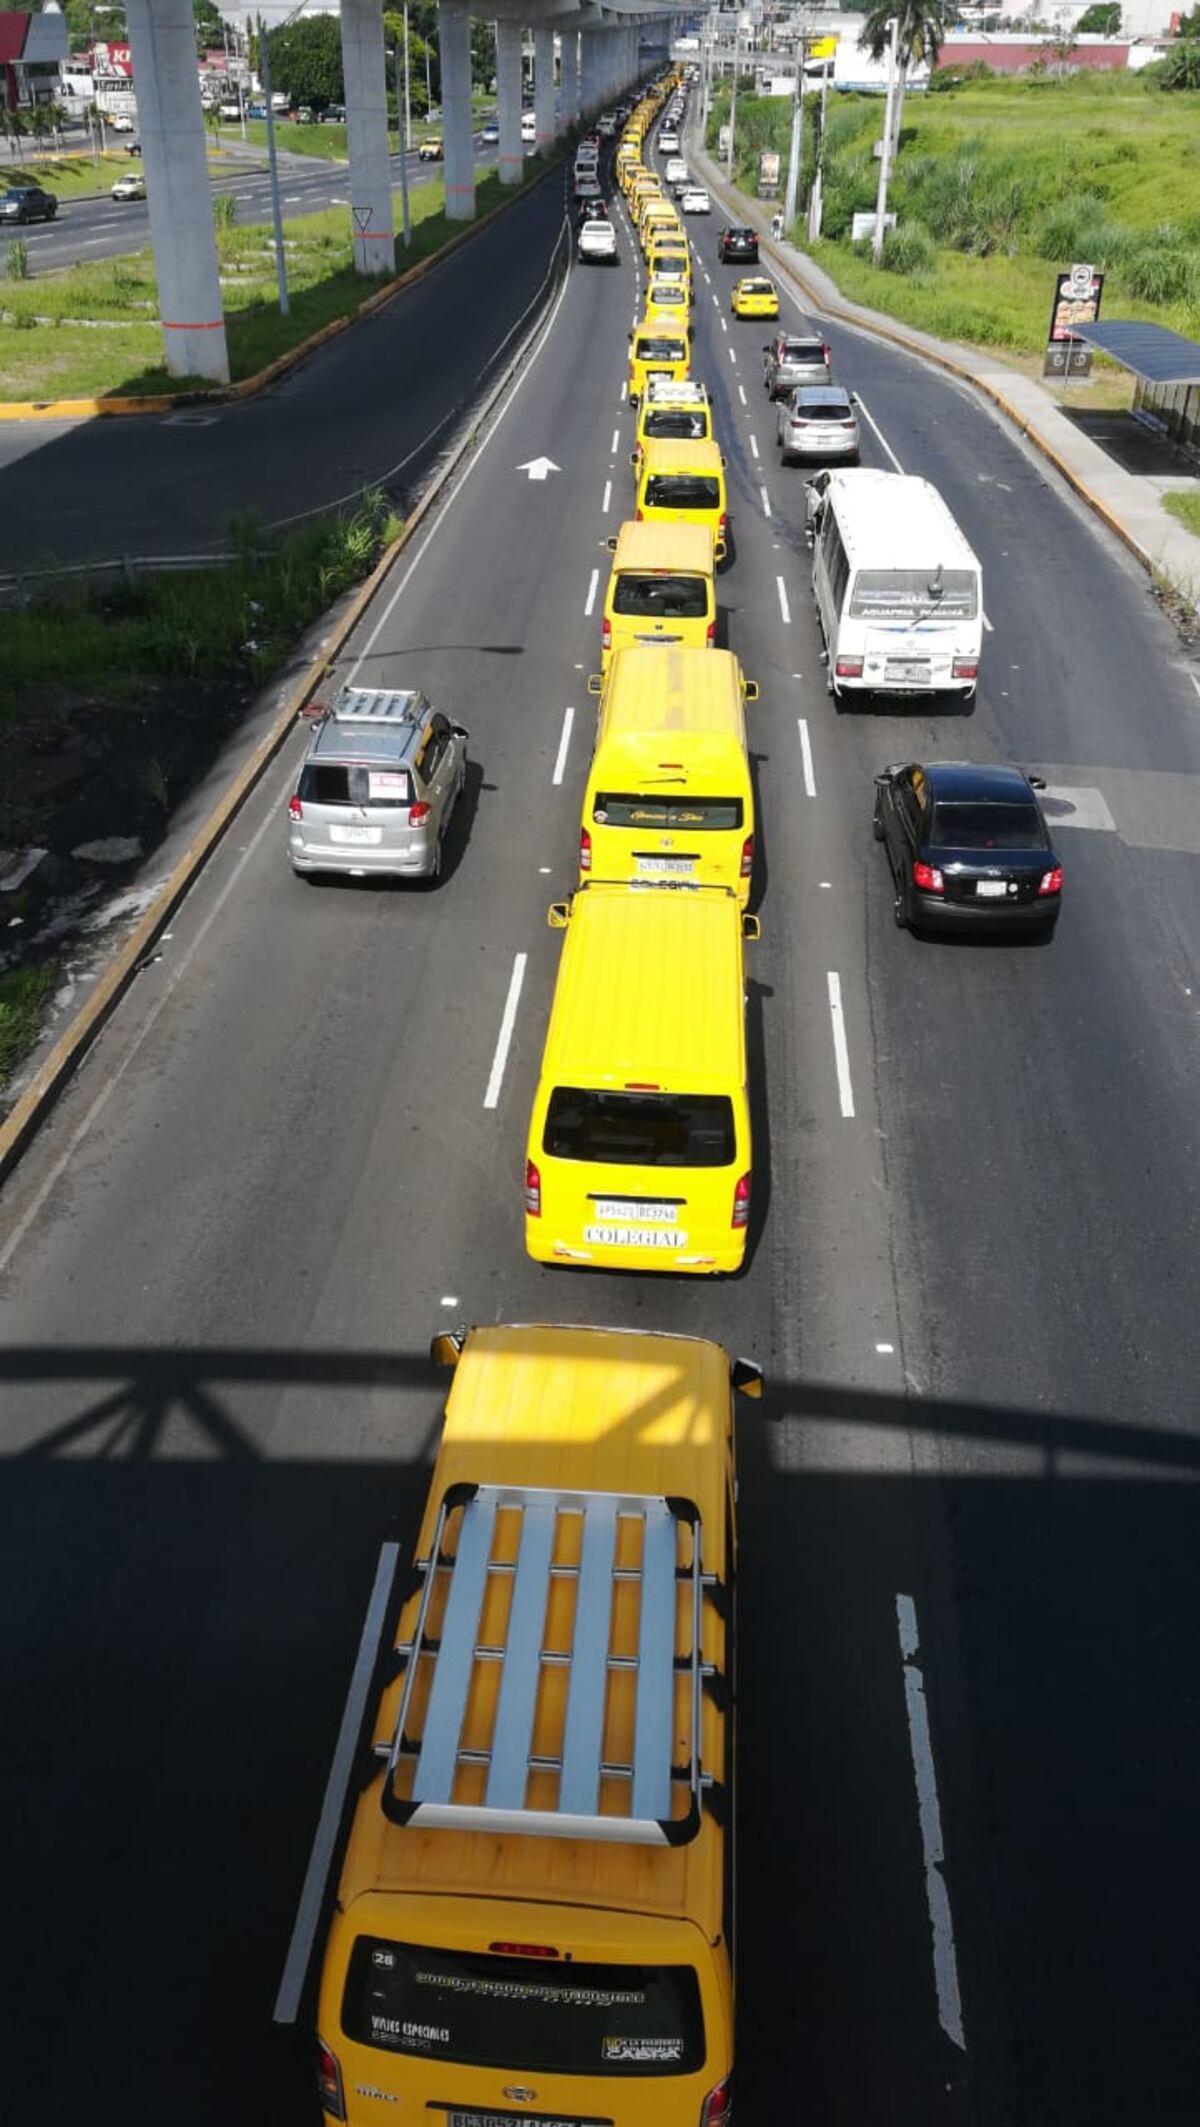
383 772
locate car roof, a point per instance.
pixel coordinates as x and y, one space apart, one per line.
789 340
369 722
980 781
820 395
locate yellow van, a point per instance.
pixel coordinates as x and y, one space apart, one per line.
657 349
656 215
668 253
683 482
671 412
669 300
669 798
535 1902
639 1142
660 593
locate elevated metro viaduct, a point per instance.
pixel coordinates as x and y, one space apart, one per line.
600 56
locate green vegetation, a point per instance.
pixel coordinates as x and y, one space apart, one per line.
1185 506
24 995
71 176
48 352
326 142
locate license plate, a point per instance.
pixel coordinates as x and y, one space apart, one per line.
665 867
355 834
910 670
456 2118
634 1237
991 889
654 639
636 1208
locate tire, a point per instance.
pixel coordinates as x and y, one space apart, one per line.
433 876
900 910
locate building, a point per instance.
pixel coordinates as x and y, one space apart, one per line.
33 49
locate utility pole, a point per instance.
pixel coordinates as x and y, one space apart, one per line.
815 203
402 141
794 155
407 96
264 68
885 158
733 103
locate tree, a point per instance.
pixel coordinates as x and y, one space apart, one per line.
922 28
210 25
423 57
1102 20
306 60
1181 67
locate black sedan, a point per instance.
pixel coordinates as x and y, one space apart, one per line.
738 247
968 847
27 203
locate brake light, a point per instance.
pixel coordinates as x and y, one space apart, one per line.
1051 881
606 634
928 877
638 518
965 668
747 856
710 634
585 850
717 2109
722 521
418 814
848 668
741 1218
329 2082
295 809
828 353
533 1191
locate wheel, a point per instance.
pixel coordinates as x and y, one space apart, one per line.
899 910
434 873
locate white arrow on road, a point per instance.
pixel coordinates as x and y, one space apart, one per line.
537 468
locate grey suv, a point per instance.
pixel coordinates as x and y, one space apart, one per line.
383 772
793 358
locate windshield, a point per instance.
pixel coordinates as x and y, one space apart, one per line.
682 491
990 825
662 597
700 815
520 2013
640 1129
915 594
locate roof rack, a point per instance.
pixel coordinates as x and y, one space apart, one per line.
468 1747
378 705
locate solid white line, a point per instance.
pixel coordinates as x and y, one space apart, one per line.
590 601
295 1970
810 782
987 624
840 1052
564 742
865 409
766 501
607 495
504 1037
742 393
784 607
616 442
754 445
945 1962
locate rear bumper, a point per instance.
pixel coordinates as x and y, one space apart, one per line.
387 863
697 1259
931 912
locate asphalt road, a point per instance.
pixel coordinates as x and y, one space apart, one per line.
971 1280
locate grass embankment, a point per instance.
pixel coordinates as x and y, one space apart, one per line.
75 175
47 352
1001 182
1185 506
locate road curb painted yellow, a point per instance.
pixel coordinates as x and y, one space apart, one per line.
246 387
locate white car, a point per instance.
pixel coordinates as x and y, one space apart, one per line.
528 126
120 123
668 143
598 243
677 172
695 201
586 186
131 187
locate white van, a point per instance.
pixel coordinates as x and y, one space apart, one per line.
899 592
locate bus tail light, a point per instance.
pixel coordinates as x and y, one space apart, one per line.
606 633
329 2082
965 668
848 668
747 856
739 1221
585 850
710 635
533 1191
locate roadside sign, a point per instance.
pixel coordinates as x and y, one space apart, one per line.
1077 297
768 174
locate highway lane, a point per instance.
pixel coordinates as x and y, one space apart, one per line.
293 1179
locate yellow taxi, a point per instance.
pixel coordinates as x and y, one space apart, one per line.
668 299
754 297
670 412
658 347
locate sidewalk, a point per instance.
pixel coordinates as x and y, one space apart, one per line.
1125 502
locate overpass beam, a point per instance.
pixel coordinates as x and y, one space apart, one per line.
543 85
508 98
162 35
454 37
365 76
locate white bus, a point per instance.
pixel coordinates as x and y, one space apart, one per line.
899 591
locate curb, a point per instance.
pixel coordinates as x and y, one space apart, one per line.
247 387
898 338
34 1104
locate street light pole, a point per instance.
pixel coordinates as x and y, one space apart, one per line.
732 105
407 90
264 67
885 159
402 143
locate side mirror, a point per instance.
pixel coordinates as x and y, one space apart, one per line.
460 731
724 462
633 459
629 337
751 929
1037 782
750 690
595 683
312 711
853 397
446 1348
745 1378
610 542
885 779
558 915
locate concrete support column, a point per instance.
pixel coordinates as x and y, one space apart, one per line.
162 34
508 99
589 57
454 38
543 85
569 67
365 75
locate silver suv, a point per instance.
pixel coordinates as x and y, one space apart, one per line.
793 358
381 777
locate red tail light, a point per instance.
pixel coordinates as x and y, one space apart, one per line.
1051 881
418 814
638 518
295 809
717 2109
329 2082
928 877
828 353
585 850
965 668
747 856
533 1191
741 1218
710 634
606 634
722 521
848 668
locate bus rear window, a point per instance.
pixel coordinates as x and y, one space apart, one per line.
659 350
678 424
640 1129
661 597
522 2014
914 594
682 491
696 815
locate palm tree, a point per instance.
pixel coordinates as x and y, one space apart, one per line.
923 25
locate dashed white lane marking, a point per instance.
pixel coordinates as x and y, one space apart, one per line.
784 607
724 324
292 199
754 445
766 501
561 757
841 1053
622 397
504 1038
945 1962
1195 682
742 393
607 496
295 1970
716 302
806 759
590 601
987 623
733 354
615 445
873 423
